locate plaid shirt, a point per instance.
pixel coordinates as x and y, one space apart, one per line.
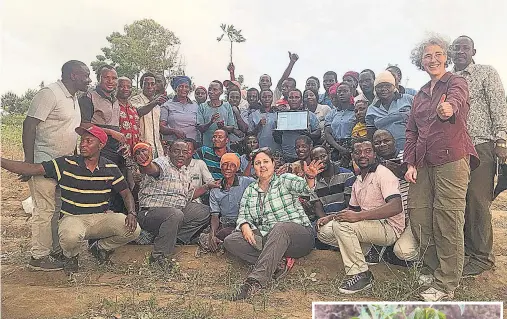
171 188
262 210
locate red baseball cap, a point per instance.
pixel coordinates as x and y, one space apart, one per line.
93 130
235 83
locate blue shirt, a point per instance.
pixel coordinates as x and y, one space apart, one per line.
325 99
226 202
409 91
265 136
180 116
289 137
341 122
204 114
393 120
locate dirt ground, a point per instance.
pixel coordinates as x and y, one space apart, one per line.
201 286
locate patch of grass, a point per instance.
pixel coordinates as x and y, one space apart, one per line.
12 127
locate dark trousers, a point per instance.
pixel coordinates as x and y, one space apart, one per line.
478 228
285 239
169 224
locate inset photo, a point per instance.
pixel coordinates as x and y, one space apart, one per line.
407 310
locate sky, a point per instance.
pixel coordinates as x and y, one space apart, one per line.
39 36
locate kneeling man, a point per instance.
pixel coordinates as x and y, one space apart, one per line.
86 182
375 216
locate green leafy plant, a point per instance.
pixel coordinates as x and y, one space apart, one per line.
233 35
396 311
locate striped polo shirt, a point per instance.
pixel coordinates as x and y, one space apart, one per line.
212 160
83 191
335 195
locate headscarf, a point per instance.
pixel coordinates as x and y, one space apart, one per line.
230 157
180 79
353 74
384 77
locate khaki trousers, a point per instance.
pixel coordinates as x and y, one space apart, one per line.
44 222
354 240
109 228
406 247
436 205
478 228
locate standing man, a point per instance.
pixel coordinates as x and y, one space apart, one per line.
366 83
150 123
328 80
54 113
286 84
101 108
487 126
215 114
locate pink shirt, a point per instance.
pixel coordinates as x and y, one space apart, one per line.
375 190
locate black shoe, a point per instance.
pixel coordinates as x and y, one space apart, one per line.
58 256
470 270
103 256
356 283
165 263
47 263
374 255
71 265
247 290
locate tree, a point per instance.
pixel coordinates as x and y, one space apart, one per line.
144 46
14 104
232 34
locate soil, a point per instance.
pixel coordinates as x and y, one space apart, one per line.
201 286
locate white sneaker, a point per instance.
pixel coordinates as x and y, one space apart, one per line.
433 295
425 280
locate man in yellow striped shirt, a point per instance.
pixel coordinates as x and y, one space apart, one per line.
86 183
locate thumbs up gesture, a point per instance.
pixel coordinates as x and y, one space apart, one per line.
444 109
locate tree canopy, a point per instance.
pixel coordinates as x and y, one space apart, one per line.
145 45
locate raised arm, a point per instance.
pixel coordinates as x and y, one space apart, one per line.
293 58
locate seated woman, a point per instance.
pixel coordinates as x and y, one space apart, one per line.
272 225
390 111
339 124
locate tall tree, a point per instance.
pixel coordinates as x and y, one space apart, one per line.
233 35
14 104
145 45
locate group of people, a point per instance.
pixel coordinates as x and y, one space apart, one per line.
380 168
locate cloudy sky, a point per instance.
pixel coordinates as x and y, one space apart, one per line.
39 36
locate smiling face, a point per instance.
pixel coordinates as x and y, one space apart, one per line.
219 139
228 169
384 144
182 90
149 86
302 149
309 98
463 52
234 98
433 60
108 80
178 154
264 166
363 154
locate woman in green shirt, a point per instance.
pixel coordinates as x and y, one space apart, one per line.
272 225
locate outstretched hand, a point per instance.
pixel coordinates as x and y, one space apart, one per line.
313 169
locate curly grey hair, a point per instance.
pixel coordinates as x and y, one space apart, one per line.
417 53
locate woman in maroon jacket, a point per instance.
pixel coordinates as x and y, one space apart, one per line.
440 155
